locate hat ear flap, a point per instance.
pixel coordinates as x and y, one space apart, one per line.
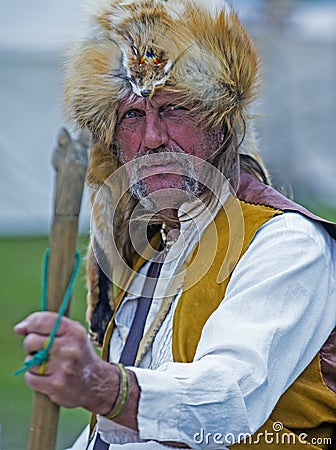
103 162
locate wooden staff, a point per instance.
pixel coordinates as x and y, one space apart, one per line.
70 162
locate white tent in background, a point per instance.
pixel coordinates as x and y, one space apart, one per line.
33 36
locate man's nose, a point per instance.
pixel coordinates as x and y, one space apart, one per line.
155 132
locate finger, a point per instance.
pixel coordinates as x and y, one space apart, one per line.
41 323
34 342
37 368
38 322
50 365
20 328
45 369
38 382
62 359
53 387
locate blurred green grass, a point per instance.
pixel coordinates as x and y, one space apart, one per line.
328 212
20 292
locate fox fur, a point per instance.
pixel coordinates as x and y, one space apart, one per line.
197 49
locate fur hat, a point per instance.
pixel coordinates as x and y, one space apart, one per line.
198 49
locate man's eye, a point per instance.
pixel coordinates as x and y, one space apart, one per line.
172 108
178 108
131 114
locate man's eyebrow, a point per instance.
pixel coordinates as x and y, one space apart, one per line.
132 103
172 104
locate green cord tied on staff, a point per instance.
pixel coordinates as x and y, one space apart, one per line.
40 358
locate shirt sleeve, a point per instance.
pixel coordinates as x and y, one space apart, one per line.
277 312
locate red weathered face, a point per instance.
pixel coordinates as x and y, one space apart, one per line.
156 125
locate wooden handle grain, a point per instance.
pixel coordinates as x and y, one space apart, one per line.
70 159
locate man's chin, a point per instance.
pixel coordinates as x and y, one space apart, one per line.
162 191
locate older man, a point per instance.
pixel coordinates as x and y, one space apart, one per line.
214 291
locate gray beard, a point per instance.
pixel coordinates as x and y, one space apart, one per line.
140 192
190 184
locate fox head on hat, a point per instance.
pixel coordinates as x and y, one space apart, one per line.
196 49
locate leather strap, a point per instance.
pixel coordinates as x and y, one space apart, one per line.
99 444
135 334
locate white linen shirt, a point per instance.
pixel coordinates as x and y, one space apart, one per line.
278 310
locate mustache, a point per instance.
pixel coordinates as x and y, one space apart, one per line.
163 155
158 150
